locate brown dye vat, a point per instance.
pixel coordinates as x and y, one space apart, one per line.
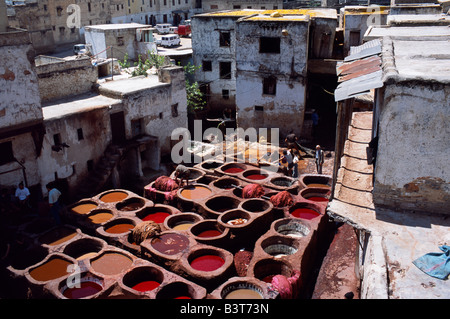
131 204
182 221
242 290
84 208
111 263
234 218
100 216
170 243
195 192
84 248
113 197
57 236
183 226
316 181
208 228
318 185
55 267
119 228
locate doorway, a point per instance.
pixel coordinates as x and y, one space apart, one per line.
118 127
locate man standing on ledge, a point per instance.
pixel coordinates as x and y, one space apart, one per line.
53 200
319 159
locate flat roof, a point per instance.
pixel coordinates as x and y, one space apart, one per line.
130 85
312 12
407 32
433 19
115 26
76 104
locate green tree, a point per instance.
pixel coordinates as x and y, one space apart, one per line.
195 98
141 67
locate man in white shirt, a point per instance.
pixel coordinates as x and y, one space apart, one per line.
53 200
23 196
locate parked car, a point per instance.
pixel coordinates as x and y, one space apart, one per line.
184 30
170 40
163 28
173 30
81 49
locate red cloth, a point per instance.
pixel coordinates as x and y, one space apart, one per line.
253 191
166 184
282 199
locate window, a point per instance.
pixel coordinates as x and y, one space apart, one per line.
136 127
259 108
57 139
80 134
206 66
225 94
225 70
45 7
175 110
120 41
214 6
6 152
270 85
161 115
58 11
89 7
224 39
269 45
236 6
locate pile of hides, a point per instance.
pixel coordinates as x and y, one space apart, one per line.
166 184
288 288
145 230
253 191
241 261
282 199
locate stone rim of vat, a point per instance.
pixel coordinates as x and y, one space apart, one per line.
208 224
156 273
269 266
224 179
200 173
182 216
48 258
305 177
246 202
315 191
221 169
201 250
304 229
75 230
130 200
233 214
101 230
181 189
236 283
306 204
83 243
110 191
277 243
257 171
219 198
111 250
147 245
293 182
82 202
145 211
95 211
194 291
209 162
59 287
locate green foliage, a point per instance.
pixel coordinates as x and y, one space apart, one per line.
141 67
195 98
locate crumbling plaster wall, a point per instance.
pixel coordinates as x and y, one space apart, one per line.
66 78
285 110
414 148
71 162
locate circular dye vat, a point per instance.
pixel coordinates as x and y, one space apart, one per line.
176 290
305 213
195 192
318 185
237 221
244 293
113 197
291 228
87 287
318 199
53 268
83 209
100 217
119 228
209 233
183 226
58 236
233 170
130 205
111 263
170 243
256 177
207 263
148 285
157 217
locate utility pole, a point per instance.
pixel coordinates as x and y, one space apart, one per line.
112 64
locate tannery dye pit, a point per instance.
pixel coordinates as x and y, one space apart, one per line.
189 243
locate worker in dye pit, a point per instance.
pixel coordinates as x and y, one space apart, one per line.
286 162
295 159
319 159
182 172
291 141
54 202
23 197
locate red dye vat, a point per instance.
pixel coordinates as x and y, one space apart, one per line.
207 263
86 289
233 170
209 233
147 285
182 297
318 199
268 279
157 217
256 176
305 213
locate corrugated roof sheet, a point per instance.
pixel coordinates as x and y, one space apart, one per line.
360 72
